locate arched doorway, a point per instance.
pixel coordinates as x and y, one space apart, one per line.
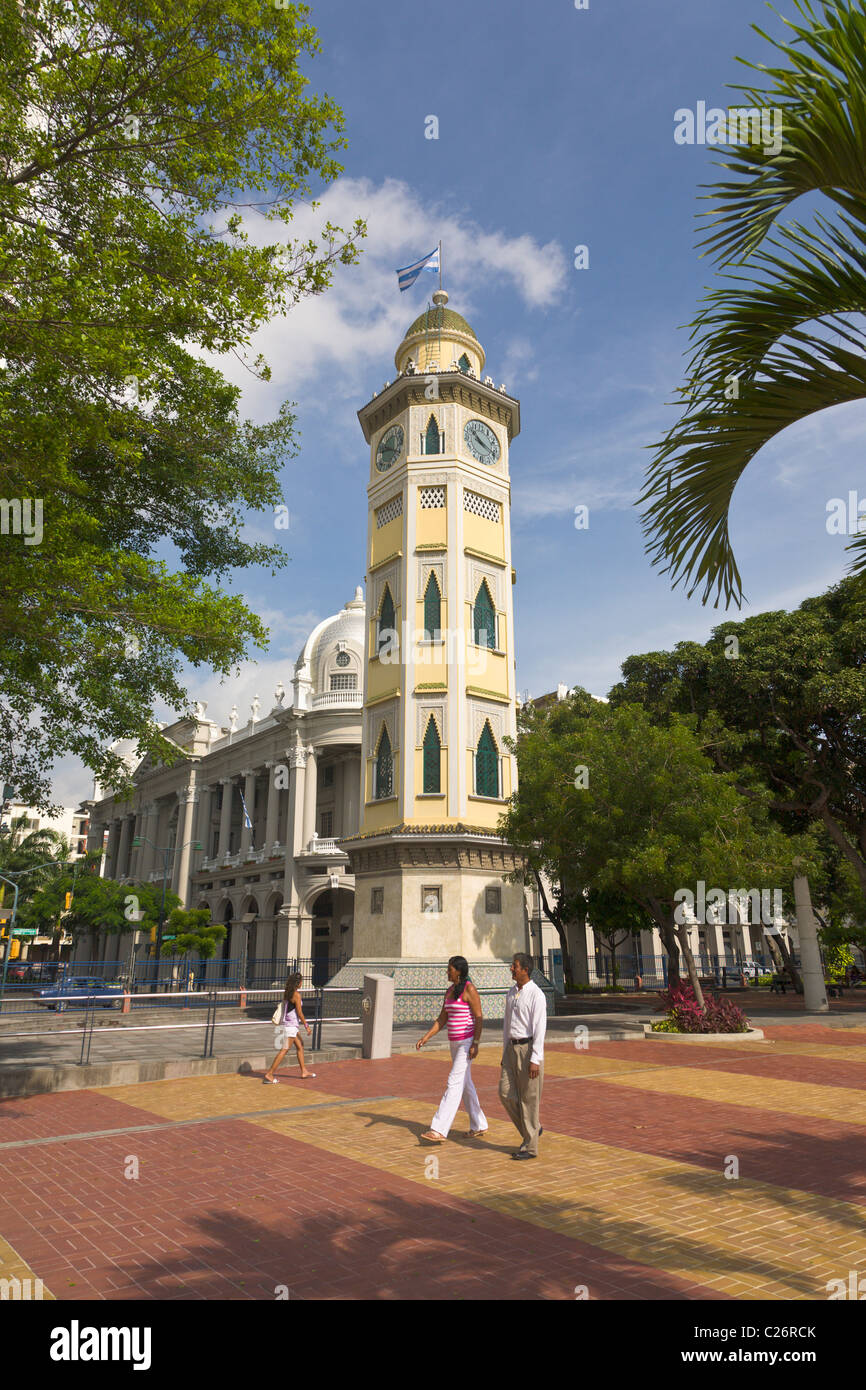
332 911
272 966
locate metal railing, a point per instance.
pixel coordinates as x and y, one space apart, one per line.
171 978
651 972
318 1010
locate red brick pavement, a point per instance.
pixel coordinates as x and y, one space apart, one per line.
239 1217
65 1112
226 1210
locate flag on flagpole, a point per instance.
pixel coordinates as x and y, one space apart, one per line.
248 825
409 274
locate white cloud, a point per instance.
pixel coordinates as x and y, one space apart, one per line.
362 316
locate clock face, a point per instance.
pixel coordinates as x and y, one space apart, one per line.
390 448
481 441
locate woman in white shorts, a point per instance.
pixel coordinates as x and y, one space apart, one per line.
287 1030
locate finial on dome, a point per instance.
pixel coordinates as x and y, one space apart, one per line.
440 297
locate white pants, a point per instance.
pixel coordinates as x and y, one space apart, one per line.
460 1087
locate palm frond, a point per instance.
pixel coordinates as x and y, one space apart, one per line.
789 325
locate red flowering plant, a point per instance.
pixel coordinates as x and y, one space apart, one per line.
685 1015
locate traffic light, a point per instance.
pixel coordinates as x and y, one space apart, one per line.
68 901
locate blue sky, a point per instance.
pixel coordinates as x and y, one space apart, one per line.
555 129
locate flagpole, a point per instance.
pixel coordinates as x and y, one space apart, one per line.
440 264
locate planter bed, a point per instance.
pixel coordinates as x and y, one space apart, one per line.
753 1035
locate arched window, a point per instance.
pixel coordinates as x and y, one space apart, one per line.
384 768
484 618
386 631
432 610
486 765
432 760
464 364
432 439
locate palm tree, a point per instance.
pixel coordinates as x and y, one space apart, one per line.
784 337
34 851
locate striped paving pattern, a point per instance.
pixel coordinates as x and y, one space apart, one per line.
220 1187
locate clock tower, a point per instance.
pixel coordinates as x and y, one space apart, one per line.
431 871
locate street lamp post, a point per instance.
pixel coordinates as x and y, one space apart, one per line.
169 850
8 950
51 863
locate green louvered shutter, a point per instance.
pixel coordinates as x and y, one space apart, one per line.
484 618
432 609
486 765
386 632
431 438
432 761
384 768
464 364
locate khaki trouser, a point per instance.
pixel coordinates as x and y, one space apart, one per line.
520 1094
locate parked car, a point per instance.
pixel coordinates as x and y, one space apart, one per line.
44 971
77 989
754 970
17 974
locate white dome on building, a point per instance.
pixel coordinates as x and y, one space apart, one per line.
331 664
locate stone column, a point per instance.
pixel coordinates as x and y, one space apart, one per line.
149 830
354 797
339 793
123 851
249 776
226 815
187 799
297 759
273 815
112 854
310 791
202 829
136 850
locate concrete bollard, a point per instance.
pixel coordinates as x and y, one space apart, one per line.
377 1016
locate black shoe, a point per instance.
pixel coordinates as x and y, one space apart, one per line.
522 1153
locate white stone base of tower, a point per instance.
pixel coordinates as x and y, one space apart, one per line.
423 896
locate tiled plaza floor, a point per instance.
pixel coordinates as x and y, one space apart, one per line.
220 1187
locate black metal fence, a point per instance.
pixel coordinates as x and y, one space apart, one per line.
651 972
335 1006
152 984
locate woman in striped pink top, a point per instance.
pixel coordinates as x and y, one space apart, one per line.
461 1010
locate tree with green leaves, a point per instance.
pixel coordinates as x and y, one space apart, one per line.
779 701
786 325
191 931
635 808
615 919
97 906
30 853
151 158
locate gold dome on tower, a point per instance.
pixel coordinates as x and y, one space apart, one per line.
438 338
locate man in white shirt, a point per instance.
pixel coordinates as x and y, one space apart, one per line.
523 1054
